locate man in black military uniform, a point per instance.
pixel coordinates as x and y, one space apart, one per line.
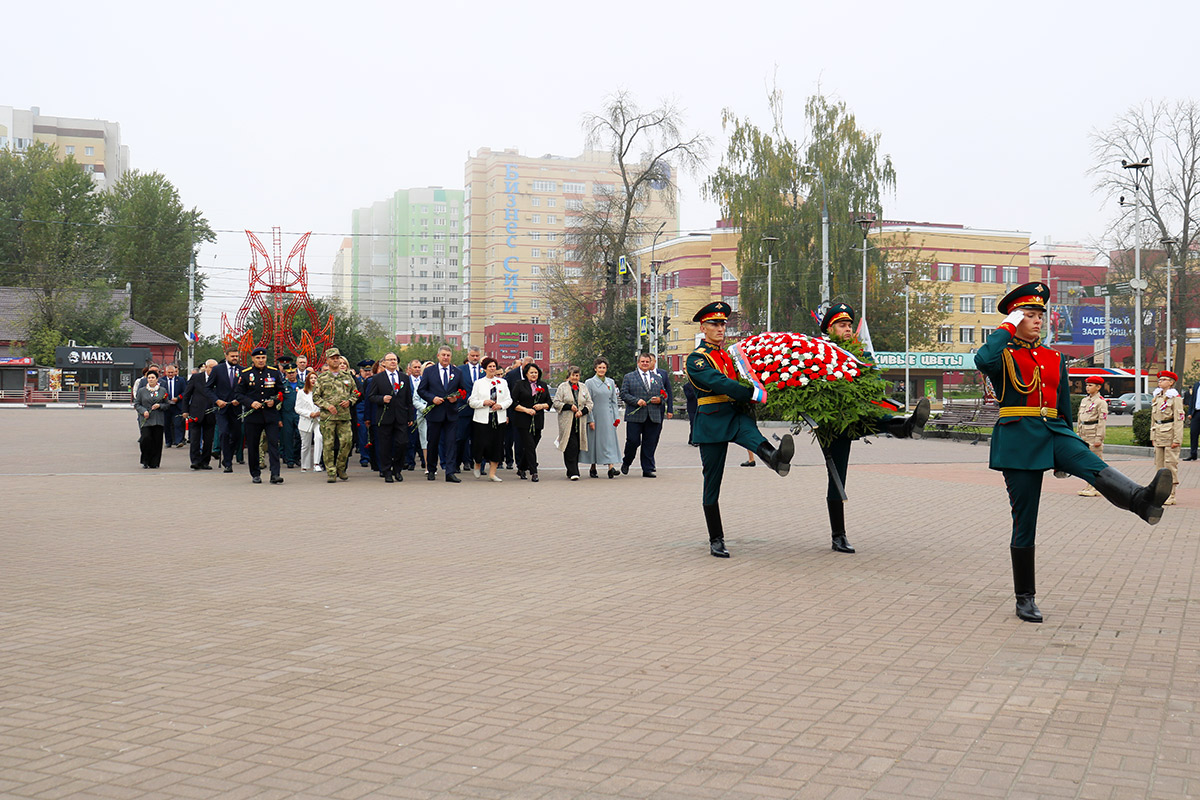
719 421
259 392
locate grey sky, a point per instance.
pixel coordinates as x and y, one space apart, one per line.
292 114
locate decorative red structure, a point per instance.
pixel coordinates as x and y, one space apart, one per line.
278 291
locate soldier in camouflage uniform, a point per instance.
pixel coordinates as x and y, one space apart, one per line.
334 394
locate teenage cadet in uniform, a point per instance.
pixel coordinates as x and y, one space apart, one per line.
718 421
1033 434
1166 427
838 327
259 390
334 394
1092 422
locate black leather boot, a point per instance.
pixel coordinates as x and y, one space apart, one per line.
837 524
1145 501
1024 585
911 426
716 534
779 459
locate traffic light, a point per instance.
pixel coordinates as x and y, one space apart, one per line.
665 331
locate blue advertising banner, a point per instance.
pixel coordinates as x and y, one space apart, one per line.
1084 325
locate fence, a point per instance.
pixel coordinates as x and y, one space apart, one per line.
67 397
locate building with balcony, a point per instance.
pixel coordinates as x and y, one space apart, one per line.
94 143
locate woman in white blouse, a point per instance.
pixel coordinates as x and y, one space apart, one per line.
489 397
310 426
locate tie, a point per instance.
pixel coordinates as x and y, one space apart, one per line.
445 378
395 381
646 379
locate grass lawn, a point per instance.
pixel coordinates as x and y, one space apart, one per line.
1114 435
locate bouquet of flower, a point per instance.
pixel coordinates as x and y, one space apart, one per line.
453 397
834 388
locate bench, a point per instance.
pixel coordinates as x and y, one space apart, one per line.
975 417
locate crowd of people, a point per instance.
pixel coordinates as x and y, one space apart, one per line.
476 417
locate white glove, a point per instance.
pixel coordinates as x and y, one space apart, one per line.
1015 317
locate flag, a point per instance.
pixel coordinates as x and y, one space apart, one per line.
864 335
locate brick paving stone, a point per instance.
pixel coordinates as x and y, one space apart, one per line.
258 646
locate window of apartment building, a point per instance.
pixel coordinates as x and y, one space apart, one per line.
89 151
544 186
987 274
726 275
423 262
70 149
424 272
537 337
454 211
437 273
537 354
453 248
574 272
524 354
424 248
599 188
551 219
424 234
424 287
536 218
524 337
453 224
984 333
438 299
572 187
425 222
551 236
535 286
966 272
535 236
966 303
439 236
89 168
439 221
945 272
551 202
945 334
987 305
1068 290
947 303
573 205
1010 275
439 208
966 335
535 303
424 300
535 201
424 314
535 269
439 249
536 252
454 262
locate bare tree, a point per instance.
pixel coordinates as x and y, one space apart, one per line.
1169 134
648 148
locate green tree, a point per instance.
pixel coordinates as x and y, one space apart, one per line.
356 336
88 315
150 240
776 190
424 348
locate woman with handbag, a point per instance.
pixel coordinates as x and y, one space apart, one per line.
531 398
490 399
148 400
573 403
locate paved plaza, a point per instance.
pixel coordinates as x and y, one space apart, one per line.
179 634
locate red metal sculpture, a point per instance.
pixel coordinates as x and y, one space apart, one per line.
278 291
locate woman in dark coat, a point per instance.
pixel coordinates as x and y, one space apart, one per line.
531 398
148 401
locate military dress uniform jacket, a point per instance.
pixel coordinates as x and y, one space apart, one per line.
1030 381
260 385
332 389
711 371
1166 419
1093 419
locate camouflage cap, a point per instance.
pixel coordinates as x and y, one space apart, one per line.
331 352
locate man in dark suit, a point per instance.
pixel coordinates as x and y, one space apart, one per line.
471 372
173 384
1191 406
670 398
439 382
199 407
223 382
644 396
415 452
389 395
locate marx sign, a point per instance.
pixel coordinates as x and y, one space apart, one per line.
70 357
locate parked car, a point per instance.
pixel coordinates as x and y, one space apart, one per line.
1125 404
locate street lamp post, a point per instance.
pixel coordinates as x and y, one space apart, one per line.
638 323
1169 242
1138 381
908 273
824 237
865 221
769 240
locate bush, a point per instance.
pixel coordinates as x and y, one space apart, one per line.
1076 399
1141 428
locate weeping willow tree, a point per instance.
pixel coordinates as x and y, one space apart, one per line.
775 188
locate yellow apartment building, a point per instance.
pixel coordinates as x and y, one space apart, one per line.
95 143
978 266
518 212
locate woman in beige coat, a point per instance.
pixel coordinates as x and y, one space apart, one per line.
573 402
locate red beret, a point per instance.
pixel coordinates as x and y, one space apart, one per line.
1096 379
1166 373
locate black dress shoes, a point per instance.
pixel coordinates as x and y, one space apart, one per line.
592 472
206 466
840 545
256 479
388 479
431 476
649 474
624 469
195 466
1027 610
453 479
227 469
521 474
533 477
1188 458
717 548
612 472
276 479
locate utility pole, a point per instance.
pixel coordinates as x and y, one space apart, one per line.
1138 382
769 241
191 348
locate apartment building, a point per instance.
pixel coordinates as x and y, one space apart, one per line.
94 143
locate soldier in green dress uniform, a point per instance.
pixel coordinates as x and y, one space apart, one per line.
1034 433
720 421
